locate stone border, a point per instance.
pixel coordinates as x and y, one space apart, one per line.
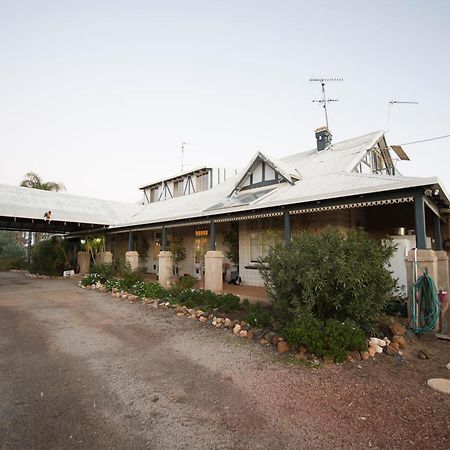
265 337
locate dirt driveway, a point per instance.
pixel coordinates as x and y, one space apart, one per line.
80 369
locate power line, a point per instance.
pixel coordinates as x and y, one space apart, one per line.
427 140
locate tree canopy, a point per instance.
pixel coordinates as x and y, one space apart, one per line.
33 180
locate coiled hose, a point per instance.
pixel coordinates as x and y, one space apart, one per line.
425 304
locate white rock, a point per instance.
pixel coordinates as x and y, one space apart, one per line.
237 328
375 341
440 384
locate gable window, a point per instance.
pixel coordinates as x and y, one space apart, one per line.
202 182
154 193
178 188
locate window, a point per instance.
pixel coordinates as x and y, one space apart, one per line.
202 182
154 193
262 238
178 188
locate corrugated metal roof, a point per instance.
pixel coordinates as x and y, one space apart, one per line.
313 189
341 157
21 202
325 175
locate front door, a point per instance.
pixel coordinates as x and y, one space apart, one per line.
200 249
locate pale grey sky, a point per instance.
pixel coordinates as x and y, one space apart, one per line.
100 94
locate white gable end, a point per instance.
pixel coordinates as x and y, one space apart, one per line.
262 171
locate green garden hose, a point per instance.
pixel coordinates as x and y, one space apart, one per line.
425 305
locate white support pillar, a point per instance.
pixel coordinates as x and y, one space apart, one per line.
165 262
133 258
213 270
443 271
104 258
83 262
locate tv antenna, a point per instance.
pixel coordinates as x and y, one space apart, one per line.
396 102
182 153
324 101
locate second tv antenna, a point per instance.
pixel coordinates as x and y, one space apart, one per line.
324 101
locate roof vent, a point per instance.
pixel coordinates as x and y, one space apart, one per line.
323 137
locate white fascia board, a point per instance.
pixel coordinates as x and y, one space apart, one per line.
351 167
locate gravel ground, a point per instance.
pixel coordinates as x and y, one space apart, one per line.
80 369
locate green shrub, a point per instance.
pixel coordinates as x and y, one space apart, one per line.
330 276
186 282
49 257
12 254
113 283
228 302
90 278
148 290
208 300
130 277
331 338
258 316
105 270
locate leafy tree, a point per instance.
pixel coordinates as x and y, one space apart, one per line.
93 245
12 254
50 256
330 276
33 180
231 242
178 253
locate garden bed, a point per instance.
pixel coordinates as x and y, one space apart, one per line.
247 321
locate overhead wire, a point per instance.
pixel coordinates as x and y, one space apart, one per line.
427 140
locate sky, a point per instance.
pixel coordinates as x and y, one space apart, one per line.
100 94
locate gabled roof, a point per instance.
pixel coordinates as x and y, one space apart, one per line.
283 169
340 157
324 175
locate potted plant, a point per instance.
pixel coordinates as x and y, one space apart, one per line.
178 255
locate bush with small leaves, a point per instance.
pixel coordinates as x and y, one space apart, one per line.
148 290
90 278
50 256
257 316
330 338
330 276
104 270
205 299
113 283
183 283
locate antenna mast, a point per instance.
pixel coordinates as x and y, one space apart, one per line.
324 101
182 153
396 102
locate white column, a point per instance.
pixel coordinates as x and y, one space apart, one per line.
133 258
104 257
213 270
83 262
165 260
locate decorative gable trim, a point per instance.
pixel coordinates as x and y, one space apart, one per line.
263 171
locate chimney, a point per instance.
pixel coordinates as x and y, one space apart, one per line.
323 137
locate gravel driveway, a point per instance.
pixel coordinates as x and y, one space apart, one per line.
80 369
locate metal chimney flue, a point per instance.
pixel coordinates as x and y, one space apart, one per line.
323 138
